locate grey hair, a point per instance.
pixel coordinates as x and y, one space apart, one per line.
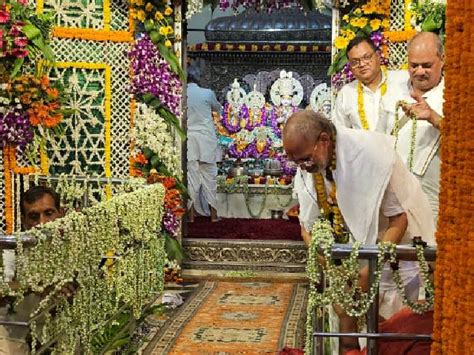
308 124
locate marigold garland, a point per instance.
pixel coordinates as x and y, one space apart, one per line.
93 35
8 192
454 275
399 36
360 99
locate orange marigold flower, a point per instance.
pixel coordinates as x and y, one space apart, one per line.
34 120
25 98
52 92
44 82
140 159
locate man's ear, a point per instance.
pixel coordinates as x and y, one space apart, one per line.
325 137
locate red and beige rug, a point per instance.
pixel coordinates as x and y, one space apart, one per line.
235 318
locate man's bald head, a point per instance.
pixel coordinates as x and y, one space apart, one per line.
427 41
425 61
303 133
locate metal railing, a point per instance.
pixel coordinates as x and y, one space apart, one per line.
370 253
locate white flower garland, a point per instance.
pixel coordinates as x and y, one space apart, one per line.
151 131
338 278
72 248
396 129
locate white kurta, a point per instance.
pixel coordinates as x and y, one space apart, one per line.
426 162
346 110
372 184
202 148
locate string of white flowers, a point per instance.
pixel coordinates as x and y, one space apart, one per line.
71 249
396 130
341 281
151 131
194 7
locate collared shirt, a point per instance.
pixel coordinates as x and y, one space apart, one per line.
346 110
427 136
202 138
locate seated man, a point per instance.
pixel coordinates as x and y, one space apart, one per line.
38 205
358 177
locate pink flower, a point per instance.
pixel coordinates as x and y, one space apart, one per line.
21 41
19 53
15 31
4 16
23 2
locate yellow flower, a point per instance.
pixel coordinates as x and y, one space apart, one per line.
375 24
168 11
357 11
386 23
363 22
149 7
355 22
169 30
139 2
368 9
168 43
345 18
141 15
159 16
350 35
341 42
162 31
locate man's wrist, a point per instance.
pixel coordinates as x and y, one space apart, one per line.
435 119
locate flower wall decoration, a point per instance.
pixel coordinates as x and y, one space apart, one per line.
369 20
454 304
23 36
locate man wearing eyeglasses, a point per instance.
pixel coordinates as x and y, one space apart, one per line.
423 97
358 102
378 198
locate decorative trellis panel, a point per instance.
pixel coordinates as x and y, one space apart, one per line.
88 100
91 39
400 21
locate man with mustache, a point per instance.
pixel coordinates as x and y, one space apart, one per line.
422 95
359 174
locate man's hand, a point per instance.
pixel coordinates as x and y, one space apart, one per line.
422 111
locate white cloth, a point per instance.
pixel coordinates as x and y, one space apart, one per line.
427 136
202 138
202 186
426 161
372 184
346 110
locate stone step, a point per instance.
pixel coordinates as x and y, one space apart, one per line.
251 255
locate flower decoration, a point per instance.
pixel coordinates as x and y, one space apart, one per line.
429 15
157 18
15 128
23 33
368 20
40 98
155 146
153 75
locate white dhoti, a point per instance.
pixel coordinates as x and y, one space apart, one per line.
202 186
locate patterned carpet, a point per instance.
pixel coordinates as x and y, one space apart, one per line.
235 318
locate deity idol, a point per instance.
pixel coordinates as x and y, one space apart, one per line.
286 94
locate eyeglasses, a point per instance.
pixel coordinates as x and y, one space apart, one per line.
306 162
357 62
